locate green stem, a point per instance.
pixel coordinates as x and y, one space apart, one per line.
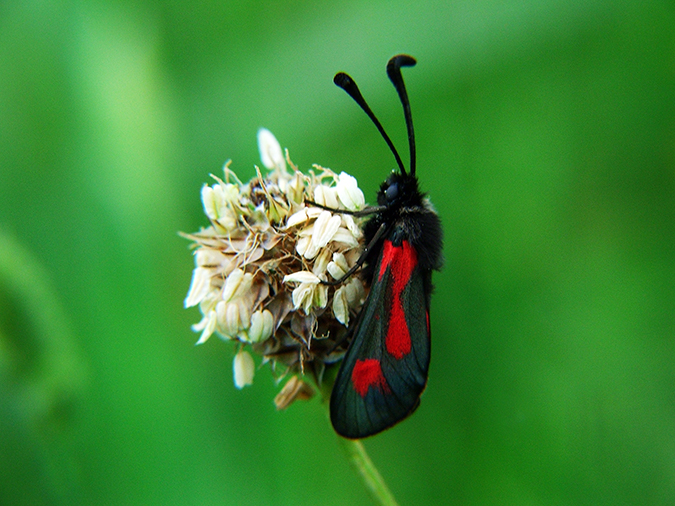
358 456
369 474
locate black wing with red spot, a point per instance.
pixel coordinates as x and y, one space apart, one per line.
385 369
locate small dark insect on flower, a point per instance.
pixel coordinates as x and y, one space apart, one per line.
385 369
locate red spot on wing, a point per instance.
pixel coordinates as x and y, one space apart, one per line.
402 261
368 373
388 255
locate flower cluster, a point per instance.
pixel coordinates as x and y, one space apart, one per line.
261 267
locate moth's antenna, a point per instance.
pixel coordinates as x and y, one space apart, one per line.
394 73
347 83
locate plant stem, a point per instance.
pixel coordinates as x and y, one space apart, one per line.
369 474
358 456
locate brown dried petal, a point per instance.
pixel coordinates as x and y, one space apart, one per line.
269 240
294 389
280 306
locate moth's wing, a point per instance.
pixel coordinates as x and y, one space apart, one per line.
385 368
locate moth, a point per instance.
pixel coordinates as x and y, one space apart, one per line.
385 368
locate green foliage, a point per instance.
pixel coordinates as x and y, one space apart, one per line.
546 139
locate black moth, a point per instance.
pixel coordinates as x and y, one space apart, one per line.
386 365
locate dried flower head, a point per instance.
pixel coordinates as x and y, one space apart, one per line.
259 268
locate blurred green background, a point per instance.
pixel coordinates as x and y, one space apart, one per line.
546 138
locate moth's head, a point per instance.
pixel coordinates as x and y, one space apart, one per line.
398 189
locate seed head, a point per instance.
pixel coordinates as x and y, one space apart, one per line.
260 264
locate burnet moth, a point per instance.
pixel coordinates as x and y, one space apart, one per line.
385 368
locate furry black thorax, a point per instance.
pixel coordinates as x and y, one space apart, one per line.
408 216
